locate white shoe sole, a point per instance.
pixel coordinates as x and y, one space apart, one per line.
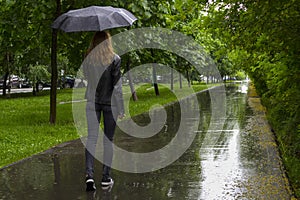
107 183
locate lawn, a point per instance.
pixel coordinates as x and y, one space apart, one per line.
24 119
25 128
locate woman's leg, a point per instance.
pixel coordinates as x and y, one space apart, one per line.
109 130
93 119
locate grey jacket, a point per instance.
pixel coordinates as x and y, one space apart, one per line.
105 84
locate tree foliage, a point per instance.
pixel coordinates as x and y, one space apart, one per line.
265 38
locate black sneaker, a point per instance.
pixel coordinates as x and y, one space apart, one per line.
90 184
107 181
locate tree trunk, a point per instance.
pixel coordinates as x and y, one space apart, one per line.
180 81
155 80
188 77
172 79
134 96
34 89
178 61
154 76
54 73
6 76
4 83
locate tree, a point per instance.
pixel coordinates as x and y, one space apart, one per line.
36 74
266 35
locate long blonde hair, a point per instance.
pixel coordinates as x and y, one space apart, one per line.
103 53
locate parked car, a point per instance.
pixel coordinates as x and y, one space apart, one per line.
17 82
12 81
25 83
67 82
63 82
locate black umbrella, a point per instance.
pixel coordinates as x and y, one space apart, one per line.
94 18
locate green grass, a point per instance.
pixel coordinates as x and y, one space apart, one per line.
25 128
148 99
24 119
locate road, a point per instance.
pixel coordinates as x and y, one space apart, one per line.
21 90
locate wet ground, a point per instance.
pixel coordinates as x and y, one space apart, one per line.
243 164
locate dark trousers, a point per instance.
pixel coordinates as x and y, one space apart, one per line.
93 114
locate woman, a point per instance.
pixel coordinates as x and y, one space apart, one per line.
104 96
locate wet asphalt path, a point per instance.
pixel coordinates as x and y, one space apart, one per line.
243 164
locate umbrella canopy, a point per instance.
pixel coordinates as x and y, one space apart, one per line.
94 18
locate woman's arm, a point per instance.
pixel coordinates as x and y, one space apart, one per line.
117 83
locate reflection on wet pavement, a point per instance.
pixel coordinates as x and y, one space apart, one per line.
242 164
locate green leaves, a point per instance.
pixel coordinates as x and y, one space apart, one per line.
269 33
38 72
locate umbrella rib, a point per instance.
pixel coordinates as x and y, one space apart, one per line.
95 13
125 14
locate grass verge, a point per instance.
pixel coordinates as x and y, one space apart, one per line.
25 128
24 119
